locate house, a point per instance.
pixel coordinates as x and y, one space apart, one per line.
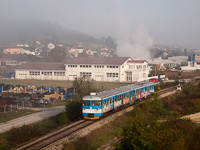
38 51
171 62
73 52
12 50
8 62
104 54
79 50
28 52
193 63
89 52
50 46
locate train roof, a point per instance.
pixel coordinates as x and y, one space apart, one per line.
116 91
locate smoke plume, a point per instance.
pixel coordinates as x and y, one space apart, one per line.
134 44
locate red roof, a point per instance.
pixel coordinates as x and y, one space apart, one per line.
98 60
137 61
7 59
42 66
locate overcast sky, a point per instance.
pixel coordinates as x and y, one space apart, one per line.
166 21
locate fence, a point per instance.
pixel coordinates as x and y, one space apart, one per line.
5 108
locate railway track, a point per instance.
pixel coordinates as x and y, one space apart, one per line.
166 90
70 129
56 136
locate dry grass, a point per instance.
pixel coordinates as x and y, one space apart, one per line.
175 74
99 136
51 83
4 117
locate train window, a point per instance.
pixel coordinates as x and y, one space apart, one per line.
133 92
96 103
104 102
86 103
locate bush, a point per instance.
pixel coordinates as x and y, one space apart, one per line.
63 119
73 110
24 133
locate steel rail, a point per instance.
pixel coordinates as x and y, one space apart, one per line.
55 136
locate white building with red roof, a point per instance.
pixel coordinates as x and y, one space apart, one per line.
107 69
8 62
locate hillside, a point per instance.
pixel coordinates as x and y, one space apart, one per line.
29 31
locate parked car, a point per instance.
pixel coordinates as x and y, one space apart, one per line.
161 79
153 80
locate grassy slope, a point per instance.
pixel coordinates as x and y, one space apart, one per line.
46 83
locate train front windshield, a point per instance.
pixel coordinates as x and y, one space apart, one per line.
91 103
96 103
85 103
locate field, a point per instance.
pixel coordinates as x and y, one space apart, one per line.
68 84
175 74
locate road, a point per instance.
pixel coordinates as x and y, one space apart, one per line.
193 117
44 113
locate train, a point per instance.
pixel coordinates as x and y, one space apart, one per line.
97 104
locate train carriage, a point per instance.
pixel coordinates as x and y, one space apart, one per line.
96 104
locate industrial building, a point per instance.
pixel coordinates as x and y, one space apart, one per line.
108 69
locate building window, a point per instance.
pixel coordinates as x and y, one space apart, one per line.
34 73
72 66
85 74
72 75
112 75
139 67
112 66
98 75
132 67
144 67
85 66
59 73
99 66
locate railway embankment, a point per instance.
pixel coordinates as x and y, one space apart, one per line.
102 122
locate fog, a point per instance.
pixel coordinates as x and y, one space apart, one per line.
134 24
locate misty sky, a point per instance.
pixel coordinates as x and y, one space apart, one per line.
165 21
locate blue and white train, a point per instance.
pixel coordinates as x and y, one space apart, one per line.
96 104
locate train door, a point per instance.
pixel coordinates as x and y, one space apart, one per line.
141 93
111 103
105 105
138 94
126 98
152 88
133 96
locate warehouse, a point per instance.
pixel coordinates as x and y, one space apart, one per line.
41 71
108 69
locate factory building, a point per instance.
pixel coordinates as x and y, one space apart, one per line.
108 69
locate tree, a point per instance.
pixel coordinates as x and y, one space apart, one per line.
1 52
57 54
83 87
110 42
